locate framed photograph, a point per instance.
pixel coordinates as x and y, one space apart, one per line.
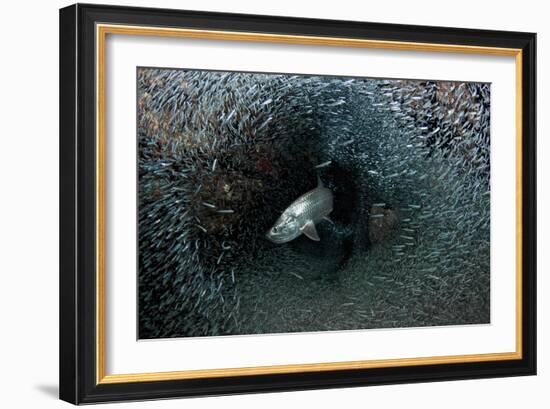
256 203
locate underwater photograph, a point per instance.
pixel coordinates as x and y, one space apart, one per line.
281 203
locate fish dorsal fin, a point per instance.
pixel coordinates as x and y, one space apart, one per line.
310 231
319 182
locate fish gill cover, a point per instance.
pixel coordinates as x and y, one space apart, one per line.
221 156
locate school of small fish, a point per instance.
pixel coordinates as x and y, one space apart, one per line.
223 154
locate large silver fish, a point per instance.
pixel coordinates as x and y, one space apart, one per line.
301 216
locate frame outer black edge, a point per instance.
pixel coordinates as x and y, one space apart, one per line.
305 26
529 204
77 56
67 244
86 204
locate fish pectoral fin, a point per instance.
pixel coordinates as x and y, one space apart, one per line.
310 231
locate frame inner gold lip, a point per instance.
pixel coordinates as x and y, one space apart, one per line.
101 32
